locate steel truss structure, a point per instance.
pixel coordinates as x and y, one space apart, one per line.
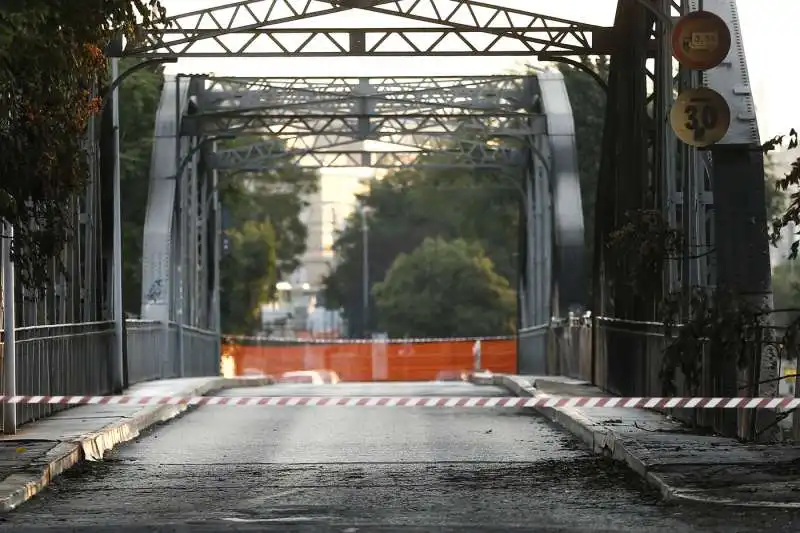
333 118
257 28
408 121
499 122
698 192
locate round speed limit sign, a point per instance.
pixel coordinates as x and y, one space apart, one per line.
700 117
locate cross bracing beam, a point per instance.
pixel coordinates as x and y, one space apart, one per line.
481 95
380 85
390 142
362 127
448 28
326 142
261 156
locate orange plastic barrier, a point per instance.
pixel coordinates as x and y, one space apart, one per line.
395 360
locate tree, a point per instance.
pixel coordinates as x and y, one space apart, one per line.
51 67
276 195
248 275
445 289
478 205
267 236
786 292
409 205
776 197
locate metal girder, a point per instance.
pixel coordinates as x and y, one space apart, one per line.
410 95
463 27
408 111
266 155
362 128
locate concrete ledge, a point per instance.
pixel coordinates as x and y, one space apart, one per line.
604 441
23 485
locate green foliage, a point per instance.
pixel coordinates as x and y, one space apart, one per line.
278 196
267 237
727 328
479 206
790 181
786 292
724 325
646 242
139 97
408 206
248 276
776 197
50 62
445 289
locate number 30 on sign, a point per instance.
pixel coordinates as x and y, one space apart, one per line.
700 117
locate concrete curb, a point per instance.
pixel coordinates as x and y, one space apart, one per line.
24 485
604 441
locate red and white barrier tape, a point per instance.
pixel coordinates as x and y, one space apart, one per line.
408 401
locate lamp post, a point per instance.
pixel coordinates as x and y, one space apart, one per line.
114 50
9 331
364 211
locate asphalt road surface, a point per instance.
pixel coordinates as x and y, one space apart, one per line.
357 470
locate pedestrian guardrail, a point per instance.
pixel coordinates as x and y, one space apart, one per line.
74 359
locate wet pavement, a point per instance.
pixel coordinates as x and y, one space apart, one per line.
357 469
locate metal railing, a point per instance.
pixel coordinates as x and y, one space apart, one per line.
73 359
62 359
151 351
201 352
626 358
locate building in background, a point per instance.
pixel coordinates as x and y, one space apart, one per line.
297 311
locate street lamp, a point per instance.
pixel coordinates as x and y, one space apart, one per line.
365 211
114 50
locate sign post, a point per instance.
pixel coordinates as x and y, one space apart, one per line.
701 40
700 117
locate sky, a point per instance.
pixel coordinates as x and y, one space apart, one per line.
768 28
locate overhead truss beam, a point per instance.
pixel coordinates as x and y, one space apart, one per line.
495 95
387 109
361 127
261 156
450 28
367 122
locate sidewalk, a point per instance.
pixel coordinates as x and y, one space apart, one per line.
680 464
44 449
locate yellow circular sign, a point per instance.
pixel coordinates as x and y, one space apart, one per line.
700 117
701 40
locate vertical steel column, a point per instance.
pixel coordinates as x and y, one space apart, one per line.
366 108
9 331
201 278
117 355
544 181
87 258
215 294
365 270
191 255
179 233
534 233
